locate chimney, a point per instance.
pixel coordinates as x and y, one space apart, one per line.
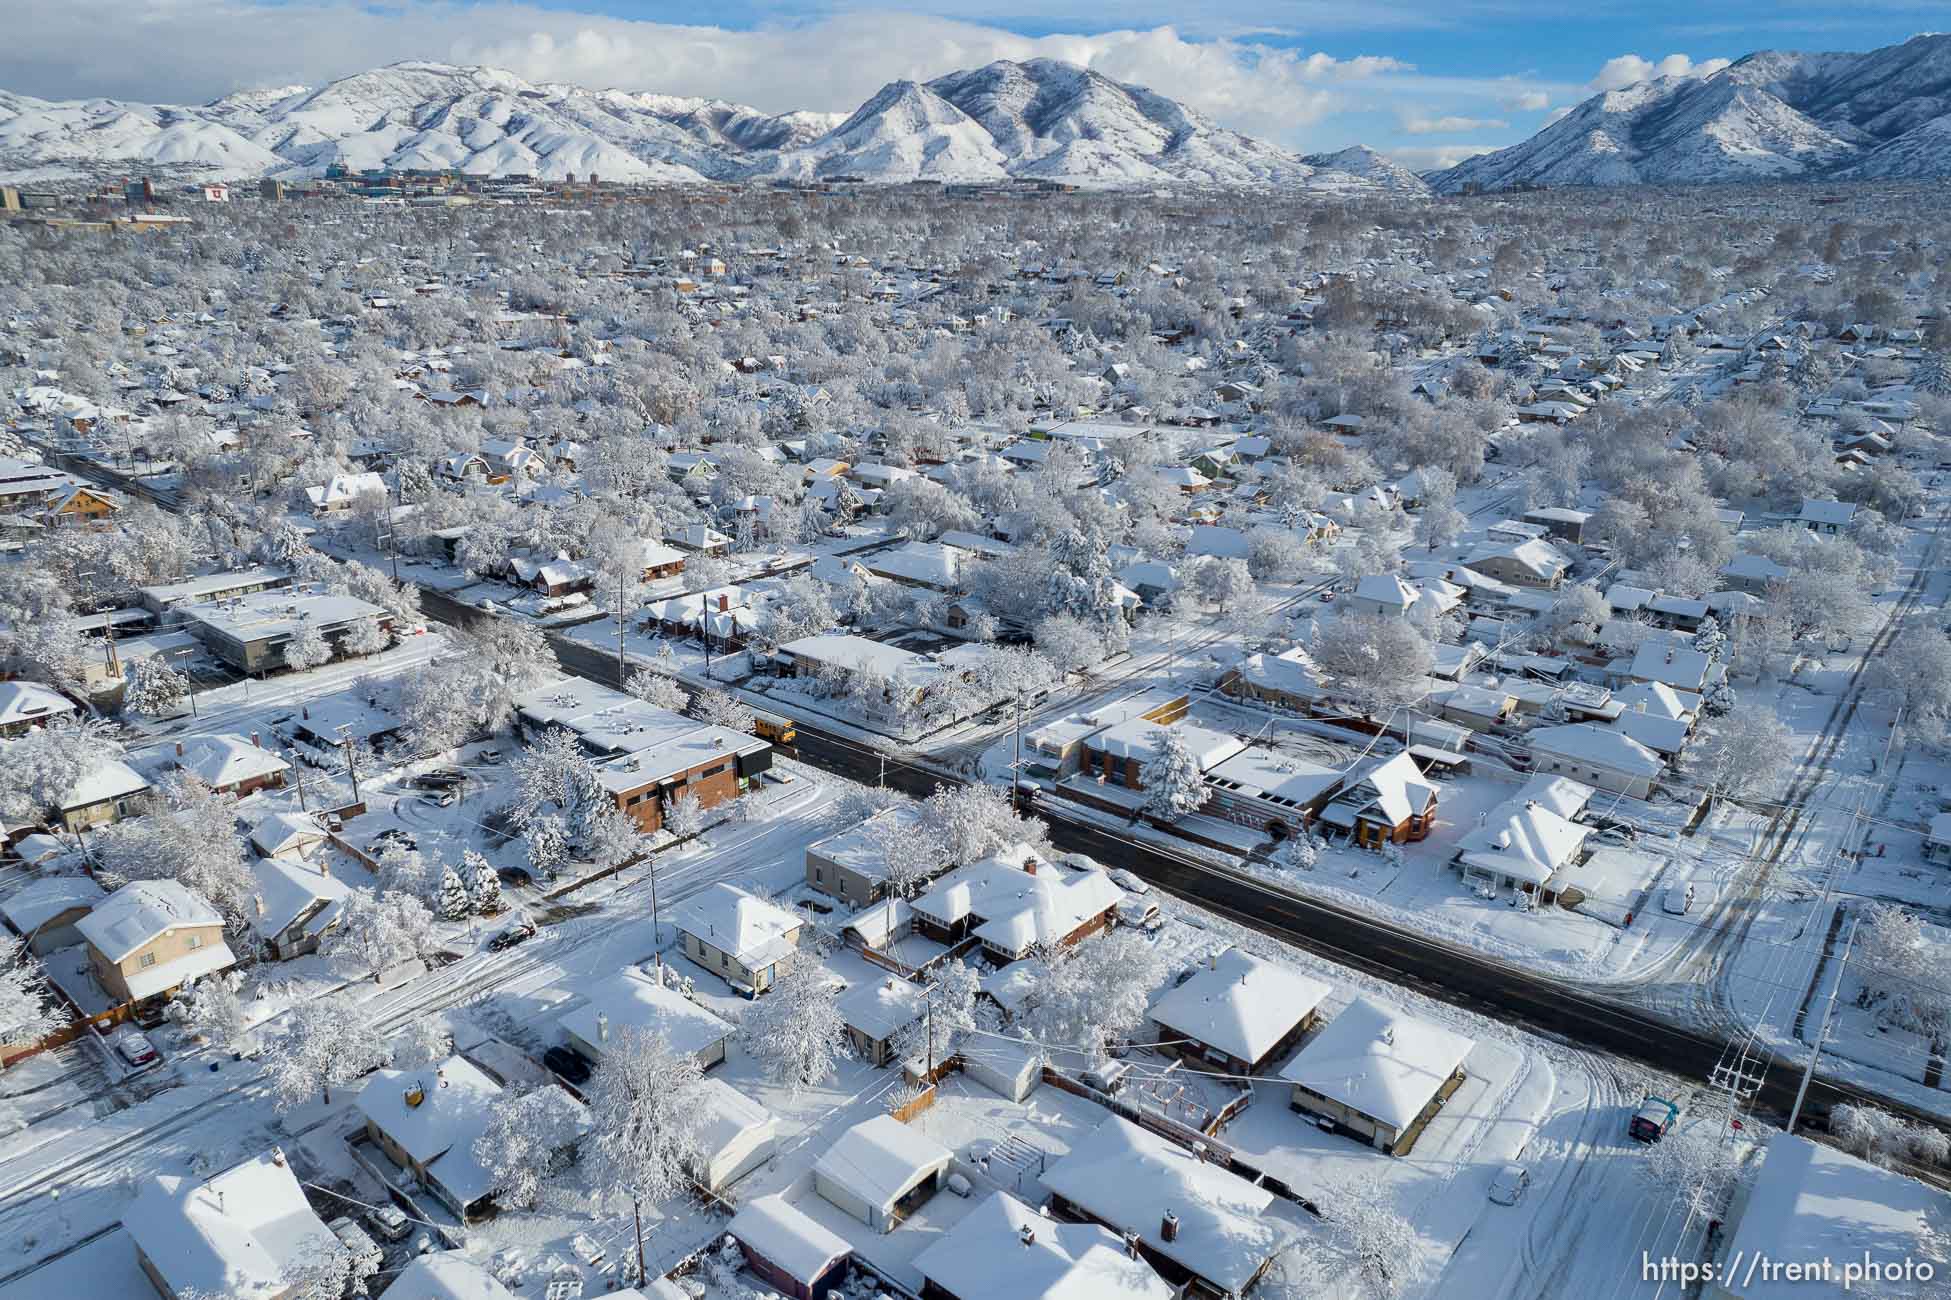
1168 1228
1131 1245
602 1027
1027 1235
724 602
278 1156
259 900
256 741
1029 866
179 749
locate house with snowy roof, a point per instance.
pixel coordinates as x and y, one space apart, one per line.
735 1134
737 935
1238 1012
1384 801
151 937
26 705
339 493
876 1012
111 791
1596 756
447 1275
1004 1248
851 864
231 764
1521 846
1378 1073
1010 902
1200 1225
1826 517
1530 563
295 904
631 1003
243 1234
43 912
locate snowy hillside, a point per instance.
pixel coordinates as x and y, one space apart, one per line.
1040 119
1364 163
1772 115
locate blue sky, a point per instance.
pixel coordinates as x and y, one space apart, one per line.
1429 81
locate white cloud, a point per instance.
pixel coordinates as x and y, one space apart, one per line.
1630 69
1529 101
85 48
1423 158
1558 115
1416 124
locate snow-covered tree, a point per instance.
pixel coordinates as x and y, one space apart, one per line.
1885 1139
212 1008
377 931
1697 1164
955 1012
1300 852
155 689
1365 1243
794 1031
973 821
643 1112
1068 643
483 884
548 846
195 842
452 901
720 709
1379 661
318 1046
28 1010
1095 993
1220 581
1742 754
657 689
364 637
1174 785
307 649
39 769
685 816
530 1138
424 1042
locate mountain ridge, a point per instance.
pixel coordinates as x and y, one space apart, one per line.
1039 119
1770 115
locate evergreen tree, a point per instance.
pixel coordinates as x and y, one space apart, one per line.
1174 786
452 903
483 885
156 690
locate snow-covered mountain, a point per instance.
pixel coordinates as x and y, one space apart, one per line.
1040 119
1772 115
1363 162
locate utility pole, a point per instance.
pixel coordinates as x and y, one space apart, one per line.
621 578
1016 768
352 767
393 524
704 628
637 1212
1815 1053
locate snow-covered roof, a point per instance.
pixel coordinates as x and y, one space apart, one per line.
39 901
928 563
631 1002
1273 775
1386 589
1240 1004
279 612
1394 786
343 489
858 848
285 888
1213 539
880 1159
1538 558
31 702
1585 742
142 910
733 920
451 1110
725 1115
1657 699
783 1235
1015 907
1834 513
1560 794
857 653
1135 738
1128 1177
110 778
448 1275
1378 1061
1671 661
1524 840
882 1008
1812 1202
227 760
1661 735
1004 1248
283 831
237 1235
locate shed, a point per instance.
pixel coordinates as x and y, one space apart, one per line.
796 1255
735 1134
44 911
880 1171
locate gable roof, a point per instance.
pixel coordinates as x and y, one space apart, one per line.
785 1236
1524 840
881 1158
227 760
236 1235
628 1001
140 911
755 930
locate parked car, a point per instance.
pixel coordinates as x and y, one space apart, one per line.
1131 884
445 799
445 779
390 1222
1678 899
1653 1120
133 1046
489 755
586 1248
1508 1187
358 1243
520 932
568 1063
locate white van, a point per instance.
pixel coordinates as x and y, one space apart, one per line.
1678 899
